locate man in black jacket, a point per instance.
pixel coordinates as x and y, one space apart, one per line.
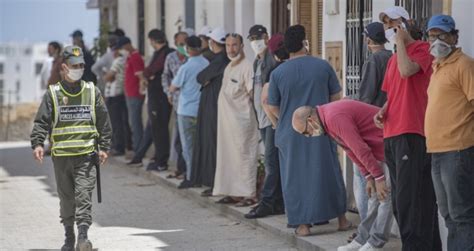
159 109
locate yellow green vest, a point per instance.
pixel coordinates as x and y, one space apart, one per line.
74 132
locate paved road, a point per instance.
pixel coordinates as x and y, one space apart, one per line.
136 214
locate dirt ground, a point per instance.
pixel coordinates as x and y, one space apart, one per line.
16 122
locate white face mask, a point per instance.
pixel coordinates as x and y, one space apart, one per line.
75 74
390 35
306 45
123 52
258 46
440 49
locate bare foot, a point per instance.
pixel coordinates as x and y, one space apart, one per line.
302 230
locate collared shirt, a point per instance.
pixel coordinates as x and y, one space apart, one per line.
350 124
449 121
186 80
172 64
407 97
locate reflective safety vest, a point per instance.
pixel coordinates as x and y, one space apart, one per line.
74 132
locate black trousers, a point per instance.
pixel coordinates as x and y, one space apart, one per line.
413 197
118 113
159 111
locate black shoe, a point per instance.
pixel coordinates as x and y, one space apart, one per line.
152 166
207 193
185 184
279 210
162 168
259 211
83 243
70 239
135 163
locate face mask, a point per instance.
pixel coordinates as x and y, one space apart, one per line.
182 50
123 52
258 46
75 74
316 131
440 49
234 58
390 35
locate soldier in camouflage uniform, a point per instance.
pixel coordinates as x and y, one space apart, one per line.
74 112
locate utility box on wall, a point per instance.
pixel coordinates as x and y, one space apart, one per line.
332 7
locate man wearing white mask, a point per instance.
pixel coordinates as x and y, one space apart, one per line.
74 113
449 127
271 199
237 133
402 119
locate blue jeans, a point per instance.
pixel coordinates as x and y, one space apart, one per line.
187 132
145 143
360 195
453 180
271 192
134 106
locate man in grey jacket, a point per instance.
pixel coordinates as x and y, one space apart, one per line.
271 198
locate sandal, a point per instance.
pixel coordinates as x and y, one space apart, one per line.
349 227
174 175
246 203
226 200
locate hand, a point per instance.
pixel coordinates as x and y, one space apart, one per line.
264 95
382 190
38 154
379 118
103 156
370 187
170 100
402 35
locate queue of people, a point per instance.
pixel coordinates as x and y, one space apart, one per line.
410 134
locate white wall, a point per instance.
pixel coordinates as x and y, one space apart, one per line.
462 14
152 21
128 19
174 9
263 14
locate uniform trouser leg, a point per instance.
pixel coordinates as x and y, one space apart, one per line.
453 179
159 111
413 199
375 228
75 180
271 192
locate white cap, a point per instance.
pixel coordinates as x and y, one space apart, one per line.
189 31
395 12
205 31
218 35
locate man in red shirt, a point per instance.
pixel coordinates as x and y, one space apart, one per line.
402 118
350 124
134 67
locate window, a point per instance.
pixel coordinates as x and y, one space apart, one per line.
27 51
17 68
189 14
38 67
18 85
1 68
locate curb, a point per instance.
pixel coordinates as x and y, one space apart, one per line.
322 238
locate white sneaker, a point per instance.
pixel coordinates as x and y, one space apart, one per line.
369 247
353 246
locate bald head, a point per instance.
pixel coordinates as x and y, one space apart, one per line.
300 116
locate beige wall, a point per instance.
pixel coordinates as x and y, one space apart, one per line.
127 19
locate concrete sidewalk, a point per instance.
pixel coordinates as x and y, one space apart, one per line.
324 237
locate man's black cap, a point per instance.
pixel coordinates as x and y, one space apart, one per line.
77 33
376 32
117 32
193 42
121 42
257 30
